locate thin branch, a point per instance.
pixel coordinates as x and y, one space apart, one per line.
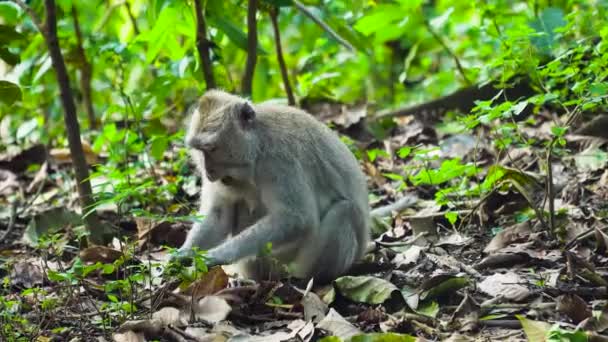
107 15
132 17
35 19
274 14
203 46
252 46
322 24
449 51
71 122
86 70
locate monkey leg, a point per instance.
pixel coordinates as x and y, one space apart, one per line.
342 241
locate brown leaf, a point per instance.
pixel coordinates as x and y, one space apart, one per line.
26 274
574 307
160 232
64 156
509 235
211 282
101 254
506 285
602 241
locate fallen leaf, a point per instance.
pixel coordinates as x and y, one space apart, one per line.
509 235
591 159
445 284
409 257
365 289
212 309
101 254
26 274
338 326
211 282
314 307
573 306
64 156
534 330
49 222
506 285
392 337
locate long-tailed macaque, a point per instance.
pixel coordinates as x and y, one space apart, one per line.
274 174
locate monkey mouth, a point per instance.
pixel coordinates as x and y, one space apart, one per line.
212 177
212 174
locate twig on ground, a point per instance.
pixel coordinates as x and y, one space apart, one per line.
583 236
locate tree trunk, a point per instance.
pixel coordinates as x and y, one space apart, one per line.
71 124
202 45
252 46
274 14
86 70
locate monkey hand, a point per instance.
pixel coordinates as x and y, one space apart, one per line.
186 256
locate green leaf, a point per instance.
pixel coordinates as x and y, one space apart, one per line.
404 152
428 308
9 92
452 217
365 289
372 154
599 89
330 339
26 128
48 222
450 285
438 22
534 330
9 12
8 34
591 159
550 19
557 334
234 33
9 57
158 147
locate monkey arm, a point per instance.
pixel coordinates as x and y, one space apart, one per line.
278 228
288 219
212 231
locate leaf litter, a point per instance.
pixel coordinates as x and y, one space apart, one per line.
466 267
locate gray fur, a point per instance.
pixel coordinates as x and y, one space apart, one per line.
280 177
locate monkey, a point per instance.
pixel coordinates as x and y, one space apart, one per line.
273 174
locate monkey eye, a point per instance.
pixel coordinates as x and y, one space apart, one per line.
202 144
247 114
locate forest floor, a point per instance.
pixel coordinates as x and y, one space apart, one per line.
456 265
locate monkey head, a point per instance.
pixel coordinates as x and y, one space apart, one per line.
221 134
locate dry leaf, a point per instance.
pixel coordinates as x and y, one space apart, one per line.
211 282
101 254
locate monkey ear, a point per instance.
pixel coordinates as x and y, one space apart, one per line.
246 113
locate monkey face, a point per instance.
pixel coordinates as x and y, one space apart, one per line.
222 134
